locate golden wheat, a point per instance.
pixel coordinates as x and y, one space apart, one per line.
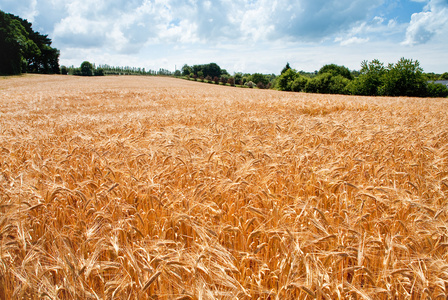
157 188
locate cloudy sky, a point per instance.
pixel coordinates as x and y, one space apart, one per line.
241 36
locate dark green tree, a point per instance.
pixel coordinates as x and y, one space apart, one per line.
444 76
23 49
186 70
286 68
437 90
86 69
12 41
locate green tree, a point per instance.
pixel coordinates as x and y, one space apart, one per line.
12 42
23 49
259 79
327 83
286 68
238 78
285 80
369 80
186 70
336 70
299 83
444 76
86 69
405 78
437 90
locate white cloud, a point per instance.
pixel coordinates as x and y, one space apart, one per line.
428 24
243 35
351 41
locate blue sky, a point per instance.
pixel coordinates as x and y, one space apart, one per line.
241 36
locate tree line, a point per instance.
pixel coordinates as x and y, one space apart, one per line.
89 69
23 49
212 73
404 78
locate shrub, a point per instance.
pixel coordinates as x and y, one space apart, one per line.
436 90
99 72
224 79
327 83
405 78
249 84
298 85
284 81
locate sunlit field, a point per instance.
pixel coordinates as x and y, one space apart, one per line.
161 188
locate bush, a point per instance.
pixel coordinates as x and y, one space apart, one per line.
99 72
285 81
223 80
64 70
259 78
327 83
405 78
299 84
444 76
260 85
249 84
436 90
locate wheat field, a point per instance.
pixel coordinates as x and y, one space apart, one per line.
160 188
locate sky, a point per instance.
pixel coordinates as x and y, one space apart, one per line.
249 36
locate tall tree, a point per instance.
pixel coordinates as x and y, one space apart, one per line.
23 49
286 68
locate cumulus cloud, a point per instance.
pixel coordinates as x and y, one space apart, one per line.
140 21
195 31
433 21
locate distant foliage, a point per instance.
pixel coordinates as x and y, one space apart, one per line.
23 49
336 70
405 78
327 83
286 68
104 70
286 80
249 84
436 90
86 69
211 69
370 79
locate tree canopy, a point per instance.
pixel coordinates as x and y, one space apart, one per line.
23 49
211 69
404 78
